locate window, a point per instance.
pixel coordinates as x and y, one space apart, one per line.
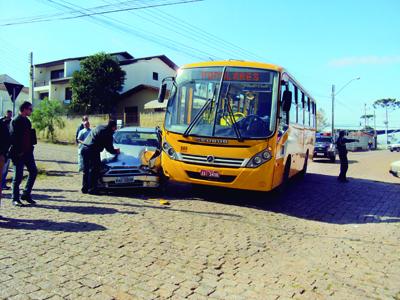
301 107
308 112
155 76
42 96
284 116
68 93
293 108
56 74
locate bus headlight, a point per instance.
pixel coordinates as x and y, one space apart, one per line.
169 150
258 159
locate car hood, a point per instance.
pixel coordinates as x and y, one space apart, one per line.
130 156
322 144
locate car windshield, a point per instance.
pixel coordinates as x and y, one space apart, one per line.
242 104
324 140
135 138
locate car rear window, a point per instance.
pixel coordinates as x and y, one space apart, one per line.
136 138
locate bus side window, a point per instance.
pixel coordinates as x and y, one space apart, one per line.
301 107
308 112
283 115
293 109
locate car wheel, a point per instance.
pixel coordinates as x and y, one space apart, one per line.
332 159
391 150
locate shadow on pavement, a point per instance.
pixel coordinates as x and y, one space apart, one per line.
46 225
320 198
327 161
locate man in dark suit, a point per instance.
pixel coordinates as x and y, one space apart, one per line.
99 139
23 139
344 163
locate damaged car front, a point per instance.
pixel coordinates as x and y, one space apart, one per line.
138 164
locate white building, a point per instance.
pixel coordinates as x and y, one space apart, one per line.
142 81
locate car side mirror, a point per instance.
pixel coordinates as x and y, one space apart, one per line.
286 101
162 93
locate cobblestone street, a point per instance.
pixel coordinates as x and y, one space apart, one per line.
320 239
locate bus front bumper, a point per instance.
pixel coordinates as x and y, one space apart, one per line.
258 179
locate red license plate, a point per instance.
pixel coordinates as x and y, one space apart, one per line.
209 173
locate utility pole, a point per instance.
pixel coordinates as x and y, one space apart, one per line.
333 110
365 116
387 125
31 76
375 137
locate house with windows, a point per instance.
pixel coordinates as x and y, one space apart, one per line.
142 81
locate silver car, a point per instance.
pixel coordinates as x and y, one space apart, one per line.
131 167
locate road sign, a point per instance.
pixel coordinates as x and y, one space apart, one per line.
13 89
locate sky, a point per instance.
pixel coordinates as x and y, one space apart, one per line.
320 43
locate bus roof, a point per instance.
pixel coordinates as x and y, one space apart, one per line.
234 63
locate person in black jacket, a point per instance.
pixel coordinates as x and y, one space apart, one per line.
344 163
4 147
23 139
99 139
7 121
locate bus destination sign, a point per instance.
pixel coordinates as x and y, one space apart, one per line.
237 76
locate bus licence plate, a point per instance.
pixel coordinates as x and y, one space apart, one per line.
122 180
209 173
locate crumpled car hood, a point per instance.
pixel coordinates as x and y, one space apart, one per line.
130 156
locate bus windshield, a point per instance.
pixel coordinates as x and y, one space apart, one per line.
229 102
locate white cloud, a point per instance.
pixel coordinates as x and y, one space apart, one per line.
365 60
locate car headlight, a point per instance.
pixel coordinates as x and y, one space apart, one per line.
259 159
169 150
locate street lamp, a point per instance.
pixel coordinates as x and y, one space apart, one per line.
333 102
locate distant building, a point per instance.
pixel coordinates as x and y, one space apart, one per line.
143 78
5 100
52 79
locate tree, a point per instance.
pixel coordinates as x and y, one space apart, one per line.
95 87
47 116
387 104
366 119
322 121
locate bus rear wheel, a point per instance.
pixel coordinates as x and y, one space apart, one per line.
304 170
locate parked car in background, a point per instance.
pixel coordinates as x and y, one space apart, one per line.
325 147
138 164
395 168
394 146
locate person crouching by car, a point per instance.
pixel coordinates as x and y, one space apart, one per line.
23 139
82 135
4 146
98 139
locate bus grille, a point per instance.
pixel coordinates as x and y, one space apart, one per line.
217 161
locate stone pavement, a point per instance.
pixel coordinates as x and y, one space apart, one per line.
319 240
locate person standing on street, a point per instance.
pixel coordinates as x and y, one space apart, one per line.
344 163
23 139
82 135
6 120
4 147
99 139
85 118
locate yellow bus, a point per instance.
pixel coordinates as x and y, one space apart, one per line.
236 124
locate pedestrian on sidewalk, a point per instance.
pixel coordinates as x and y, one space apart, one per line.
6 120
99 139
370 143
341 147
82 135
4 147
85 118
23 139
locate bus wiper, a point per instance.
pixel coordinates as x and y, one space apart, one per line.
232 116
199 114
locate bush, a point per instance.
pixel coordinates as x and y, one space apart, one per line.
47 116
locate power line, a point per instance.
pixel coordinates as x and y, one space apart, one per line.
97 13
127 28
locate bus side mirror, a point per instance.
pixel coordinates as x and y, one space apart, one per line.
161 94
286 101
